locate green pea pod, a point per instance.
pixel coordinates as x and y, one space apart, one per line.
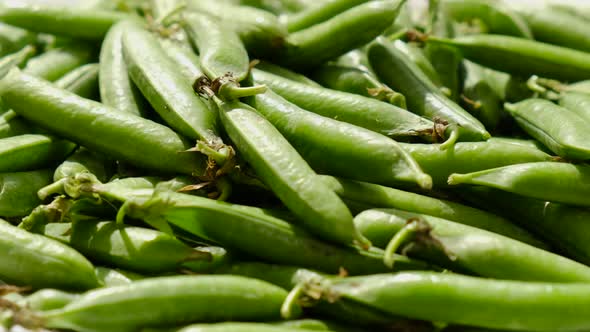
83 160
562 131
237 327
521 57
357 59
497 17
480 99
368 195
572 9
98 127
550 181
187 62
576 102
480 302
423 97
275 7
317 325
33 260
475 251
470 157
82 81
361 111
12 60
286 73
319 43
49 299
417 56
260 31
318 14
29 152
565 227
69 21
116 88
254 232
55 63
18 196
222 54
13 38
356 81
14 127
557 27
134 248
353 152
287 174
165 88
167 301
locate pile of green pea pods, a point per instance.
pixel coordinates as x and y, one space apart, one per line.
294 165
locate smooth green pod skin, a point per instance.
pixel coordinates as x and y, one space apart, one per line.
238 327
82 81
286 73
155 74
558 28
14 127
83 160
477 89
29 152
13 38
69 21
318 14
497 17
55 63
318 325
120 135
49 299
417 56
470 157
361 111
521 56
260 31
576 102
481 302
18 194
370 196
287 174
474 250
33 260
550 181
116 88
356 81
565 227
319 43
334 147
187 62
137 249
220 49
254 232
423 97
115 277
562 131
167 301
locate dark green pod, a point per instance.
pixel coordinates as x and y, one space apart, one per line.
29 152
18 194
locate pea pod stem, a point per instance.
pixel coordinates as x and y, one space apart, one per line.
412 228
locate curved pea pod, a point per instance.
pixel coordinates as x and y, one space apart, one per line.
238 327
557 27
318 14
550 181
480 99
254 232
115 277
423 97
260 31
222 55
287 174
14 127
457 299
55 63
356 81
353 152
418 57
187 62
361 111
319 43
318 325
122 136
366 196
562 131
134 248
49 299
84 160
357 59
116 88
576 102
30 152
472 250
521 56
470 157
69 21
497 17
14 38
18 194
274 69
33 260
167 90
169 300
82 81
